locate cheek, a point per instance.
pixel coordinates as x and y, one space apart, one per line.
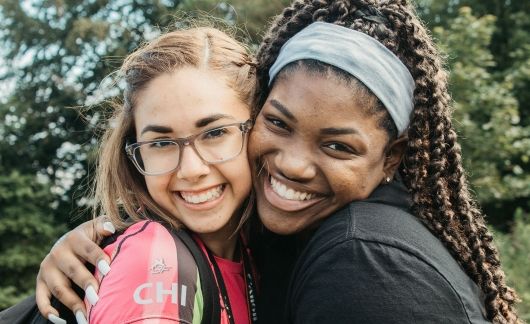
260 141
157 186
237 172
348 183
346 188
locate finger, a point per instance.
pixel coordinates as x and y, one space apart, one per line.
80 317
62 265
105 227
99 228
79 243
56 283
43 299
56 319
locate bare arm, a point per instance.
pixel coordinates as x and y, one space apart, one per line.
65 262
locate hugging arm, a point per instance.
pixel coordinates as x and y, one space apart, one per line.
367 282
66 261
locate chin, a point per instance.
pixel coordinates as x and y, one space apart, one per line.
279 224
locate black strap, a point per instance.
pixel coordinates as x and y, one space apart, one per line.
212 309
251 285
249 282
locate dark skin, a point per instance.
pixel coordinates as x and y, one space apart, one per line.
326 148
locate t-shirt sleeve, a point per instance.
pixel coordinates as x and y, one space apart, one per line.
153 279
365 282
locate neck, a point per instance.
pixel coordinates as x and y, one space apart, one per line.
221 246
223 242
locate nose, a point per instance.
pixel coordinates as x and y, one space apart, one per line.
192 167
295 165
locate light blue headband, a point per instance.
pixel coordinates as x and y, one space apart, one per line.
360 55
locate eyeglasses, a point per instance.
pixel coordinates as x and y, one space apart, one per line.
213 146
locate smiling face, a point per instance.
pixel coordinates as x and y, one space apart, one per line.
314 149
204 197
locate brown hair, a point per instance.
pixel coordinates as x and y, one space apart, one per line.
120 189
432 164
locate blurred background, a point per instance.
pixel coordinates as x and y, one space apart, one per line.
55 55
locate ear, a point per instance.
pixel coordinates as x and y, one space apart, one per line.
394 154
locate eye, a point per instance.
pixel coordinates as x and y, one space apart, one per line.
339 150
214 133
276 123
161 144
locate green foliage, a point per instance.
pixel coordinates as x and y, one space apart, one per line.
250 16
514 248
495 139
61 51
27 231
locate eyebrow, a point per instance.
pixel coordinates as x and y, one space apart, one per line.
281 108
210 119
157 129
198 124
338 131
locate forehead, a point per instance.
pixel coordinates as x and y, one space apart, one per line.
184 95
323 99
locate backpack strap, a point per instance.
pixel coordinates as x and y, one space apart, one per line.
211 313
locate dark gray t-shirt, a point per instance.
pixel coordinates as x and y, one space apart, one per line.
374 262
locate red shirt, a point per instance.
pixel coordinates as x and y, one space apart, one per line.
233 276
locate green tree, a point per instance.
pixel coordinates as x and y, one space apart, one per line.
514 248
489 114
251 17
60 51
27 231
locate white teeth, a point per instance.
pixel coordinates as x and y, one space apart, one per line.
211 194
289 193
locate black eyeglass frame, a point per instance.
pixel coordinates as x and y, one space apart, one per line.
244 127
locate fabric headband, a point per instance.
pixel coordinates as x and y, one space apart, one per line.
360 55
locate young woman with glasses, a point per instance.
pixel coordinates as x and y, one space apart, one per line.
174 156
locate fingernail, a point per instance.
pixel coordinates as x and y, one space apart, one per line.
103 267
55 319
91 295
107 226
80 318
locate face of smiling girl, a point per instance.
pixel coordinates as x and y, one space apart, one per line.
204 197
314 149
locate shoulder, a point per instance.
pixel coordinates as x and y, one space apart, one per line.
380 256
153 275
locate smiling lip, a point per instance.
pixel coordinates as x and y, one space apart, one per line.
286 204
208 204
